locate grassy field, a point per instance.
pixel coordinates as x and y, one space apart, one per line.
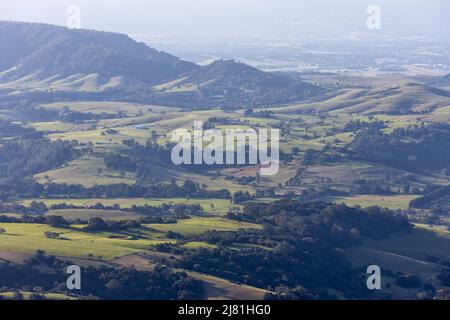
95 107
100 137
53 126
216 288
77 242
416 244
219 289
441 231
86 214
88 171
391 202
343 174
213 206
197 245
196 225
404 252
49 296
382 98
362 257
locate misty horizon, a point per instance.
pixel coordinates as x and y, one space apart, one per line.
225 21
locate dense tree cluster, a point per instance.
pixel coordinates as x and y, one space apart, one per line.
28 188
427 200
24 157
8 129
356 125
242 196
338 224
151 214
299 245
312 157
43 273
444 277
415 149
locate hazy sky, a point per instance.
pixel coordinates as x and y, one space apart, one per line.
278 19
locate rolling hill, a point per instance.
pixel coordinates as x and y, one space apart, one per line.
43 62
56 55
399 98
224 82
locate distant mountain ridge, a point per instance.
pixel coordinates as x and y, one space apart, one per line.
51 50
45 61
224 82
400 98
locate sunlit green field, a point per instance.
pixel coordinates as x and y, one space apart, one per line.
441 231
53 126
99 136
391 202
86 171
26 295
86 214
96 107
197 245
194 226
77 242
